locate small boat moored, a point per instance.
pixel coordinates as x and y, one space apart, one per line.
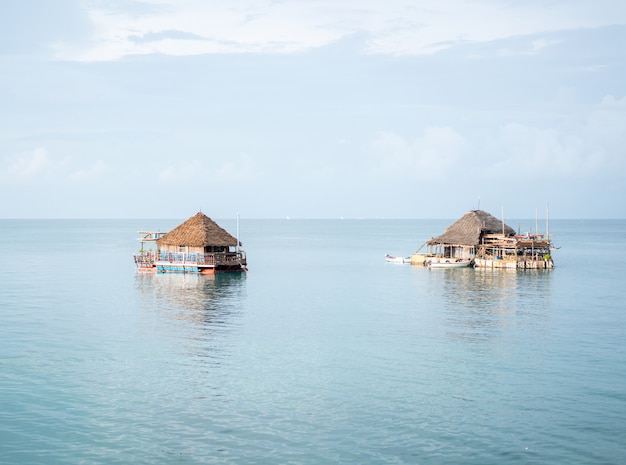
449 263
394 259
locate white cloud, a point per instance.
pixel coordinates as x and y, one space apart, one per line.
242 169
181 172
589 145
27 166
431 155
39 166
607 121
424 29
98 169
540 44
31 167
191 27
592 147
543 153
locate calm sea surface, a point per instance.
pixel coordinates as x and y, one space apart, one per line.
322 353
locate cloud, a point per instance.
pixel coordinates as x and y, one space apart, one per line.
229 172
543 153
98 169
31 167
590 147
39 167
27 166
434 153
241 170
589 144
182 172
397 27
607 121
539 44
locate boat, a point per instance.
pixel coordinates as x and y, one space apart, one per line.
394 259
449 263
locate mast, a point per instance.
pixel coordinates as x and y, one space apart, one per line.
536 221
237 232
547 222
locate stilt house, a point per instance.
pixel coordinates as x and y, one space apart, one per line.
488 242
198 245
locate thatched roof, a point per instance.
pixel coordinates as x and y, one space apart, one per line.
198 231
469 229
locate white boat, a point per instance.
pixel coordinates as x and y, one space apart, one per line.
448 263
394 259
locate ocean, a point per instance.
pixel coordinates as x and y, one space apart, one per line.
322 353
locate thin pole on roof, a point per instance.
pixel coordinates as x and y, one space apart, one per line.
536 221
547 223
503 220
237 232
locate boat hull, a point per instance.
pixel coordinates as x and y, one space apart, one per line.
148 262
189 268
450 264
393 259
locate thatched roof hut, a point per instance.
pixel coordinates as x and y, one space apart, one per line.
198 231
470 228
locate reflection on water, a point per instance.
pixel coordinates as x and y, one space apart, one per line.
479 303
198 309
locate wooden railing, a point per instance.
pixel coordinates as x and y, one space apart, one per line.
210 259
145 259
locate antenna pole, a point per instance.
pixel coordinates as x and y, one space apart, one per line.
237 232
547 222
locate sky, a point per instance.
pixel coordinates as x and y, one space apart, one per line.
312 109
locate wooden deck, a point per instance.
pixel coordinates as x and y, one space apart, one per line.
190 262
529 251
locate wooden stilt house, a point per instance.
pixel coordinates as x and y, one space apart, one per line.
482 240
199 245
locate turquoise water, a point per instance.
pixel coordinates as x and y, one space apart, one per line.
322 353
